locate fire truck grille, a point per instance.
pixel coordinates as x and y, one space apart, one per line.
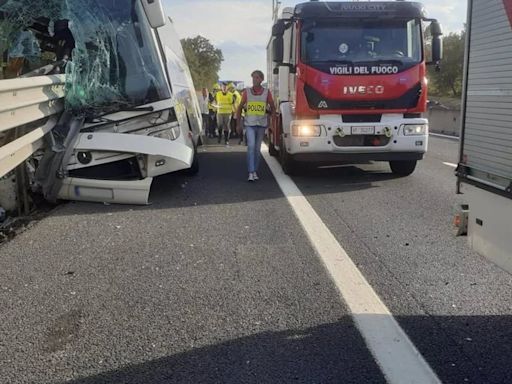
361 141
408 100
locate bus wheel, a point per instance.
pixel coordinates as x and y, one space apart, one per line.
194 167
402 168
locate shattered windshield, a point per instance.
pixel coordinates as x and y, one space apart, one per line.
105 48
361 41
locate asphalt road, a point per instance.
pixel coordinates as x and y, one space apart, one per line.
216 282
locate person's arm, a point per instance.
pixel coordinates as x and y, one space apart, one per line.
243 102
241 106
234 106
215 103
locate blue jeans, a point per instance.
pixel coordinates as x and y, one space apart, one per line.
254 138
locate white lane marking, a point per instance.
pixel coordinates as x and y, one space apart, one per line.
444 136
396 355
450 164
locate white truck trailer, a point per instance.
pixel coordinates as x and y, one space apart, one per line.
485 166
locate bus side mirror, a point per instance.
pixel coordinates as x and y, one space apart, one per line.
277 49
278 28
154 12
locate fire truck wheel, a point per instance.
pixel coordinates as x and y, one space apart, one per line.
287 163
402 168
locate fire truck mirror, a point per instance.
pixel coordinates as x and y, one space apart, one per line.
433 43
437 49
277 49
435 29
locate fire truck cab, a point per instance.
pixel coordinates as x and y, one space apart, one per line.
350 82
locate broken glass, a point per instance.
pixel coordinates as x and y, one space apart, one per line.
106 49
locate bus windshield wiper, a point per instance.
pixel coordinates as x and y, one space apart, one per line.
98 115
134 109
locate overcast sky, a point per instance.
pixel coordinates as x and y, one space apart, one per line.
241 28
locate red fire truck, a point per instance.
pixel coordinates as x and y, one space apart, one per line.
350 82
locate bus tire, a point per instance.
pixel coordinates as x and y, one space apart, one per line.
194 167
403 168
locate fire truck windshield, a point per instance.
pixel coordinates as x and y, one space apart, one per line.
358 41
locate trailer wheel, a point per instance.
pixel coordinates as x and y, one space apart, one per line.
287 163
402 168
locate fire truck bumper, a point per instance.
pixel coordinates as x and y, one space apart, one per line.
354 158
325 141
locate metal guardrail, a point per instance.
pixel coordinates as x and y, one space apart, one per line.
24 101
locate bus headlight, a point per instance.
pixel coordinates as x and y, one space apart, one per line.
307 130
415 129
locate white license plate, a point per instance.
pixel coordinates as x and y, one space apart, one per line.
363 130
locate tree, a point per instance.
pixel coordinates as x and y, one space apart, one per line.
449 80
203 60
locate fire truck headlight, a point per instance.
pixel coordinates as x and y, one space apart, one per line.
415 129
307 130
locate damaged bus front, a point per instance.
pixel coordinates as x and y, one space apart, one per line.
129 112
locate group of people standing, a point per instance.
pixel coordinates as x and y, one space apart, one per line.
248 114
218 109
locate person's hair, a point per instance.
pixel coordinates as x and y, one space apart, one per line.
258 73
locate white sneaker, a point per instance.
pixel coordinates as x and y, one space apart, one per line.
251 177
255 176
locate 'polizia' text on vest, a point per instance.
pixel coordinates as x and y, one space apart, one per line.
256 115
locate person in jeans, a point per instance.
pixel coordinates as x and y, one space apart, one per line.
255 100
224 101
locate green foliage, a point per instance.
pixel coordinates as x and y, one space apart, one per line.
203 59
448 82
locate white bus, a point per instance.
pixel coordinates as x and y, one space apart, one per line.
129 109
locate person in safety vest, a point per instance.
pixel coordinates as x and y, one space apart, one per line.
255 100
237 99
224 101
212 118
213 110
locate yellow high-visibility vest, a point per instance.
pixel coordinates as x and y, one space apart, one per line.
256 114
224 103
